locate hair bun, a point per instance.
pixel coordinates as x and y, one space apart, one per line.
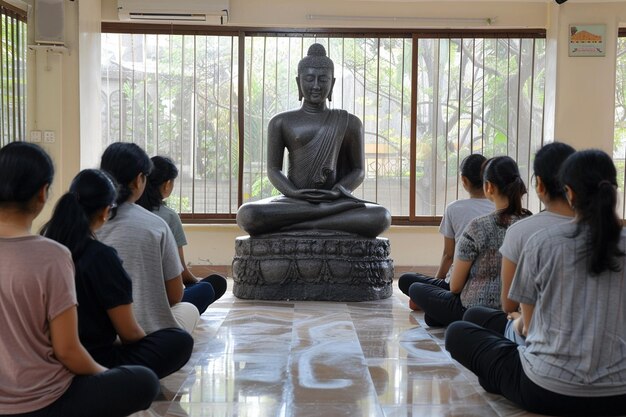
316 50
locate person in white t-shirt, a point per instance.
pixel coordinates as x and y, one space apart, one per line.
456 216
546 166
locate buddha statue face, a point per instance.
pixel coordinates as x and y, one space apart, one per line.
315 84
315 76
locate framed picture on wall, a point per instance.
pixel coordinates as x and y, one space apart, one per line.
587 40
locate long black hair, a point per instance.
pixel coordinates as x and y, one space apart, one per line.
502 172
91 191
164 170
124 161
547 162
471 167
24 169
592 177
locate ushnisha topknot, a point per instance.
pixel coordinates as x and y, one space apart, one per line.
316 58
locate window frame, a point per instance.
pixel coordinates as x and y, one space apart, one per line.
13 103
242 32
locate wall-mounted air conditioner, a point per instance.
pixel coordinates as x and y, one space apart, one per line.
195 12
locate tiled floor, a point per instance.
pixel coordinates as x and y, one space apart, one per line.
321 359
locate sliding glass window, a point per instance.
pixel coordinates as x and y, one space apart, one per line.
426 101
12 74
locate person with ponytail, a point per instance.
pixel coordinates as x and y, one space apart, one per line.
103 287
145 244
44 369
475 277
546 166
456 217
571 285
159 187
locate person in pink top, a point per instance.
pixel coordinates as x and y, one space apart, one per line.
44 369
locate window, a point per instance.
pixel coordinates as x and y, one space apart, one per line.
12 74
426 100
619 143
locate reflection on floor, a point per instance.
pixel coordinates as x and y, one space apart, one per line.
311 359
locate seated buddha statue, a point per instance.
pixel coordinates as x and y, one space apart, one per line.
326 163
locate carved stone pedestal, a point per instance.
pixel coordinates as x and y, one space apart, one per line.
323 266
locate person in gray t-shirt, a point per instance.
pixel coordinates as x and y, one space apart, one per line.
546 166
160 184
571 286
145 244
457 215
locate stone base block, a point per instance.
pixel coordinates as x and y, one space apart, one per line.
312 266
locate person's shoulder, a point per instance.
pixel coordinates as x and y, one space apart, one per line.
523 224
96 253
468 203
552 235
457 204
487 218
96 248
537 222
167 211
134 219
49 246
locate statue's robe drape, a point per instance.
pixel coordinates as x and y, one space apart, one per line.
316 162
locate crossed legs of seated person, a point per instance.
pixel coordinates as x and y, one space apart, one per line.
406 280
496 361
441 307
164 351
116 392
204 292
496 320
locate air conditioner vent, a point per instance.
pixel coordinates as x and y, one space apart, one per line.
209 12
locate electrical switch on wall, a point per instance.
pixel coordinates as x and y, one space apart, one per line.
48 136
35 136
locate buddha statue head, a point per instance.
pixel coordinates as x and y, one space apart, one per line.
315 75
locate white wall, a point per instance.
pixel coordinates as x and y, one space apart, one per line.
53 102
579 97
585 86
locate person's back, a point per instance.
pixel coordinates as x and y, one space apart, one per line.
576 347
518 234
460 213
480 243
37 284
141 239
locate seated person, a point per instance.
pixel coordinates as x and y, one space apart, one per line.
571 285
145 244
159 187
475 278
44 369
326 163
455 218
546 167
103 287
